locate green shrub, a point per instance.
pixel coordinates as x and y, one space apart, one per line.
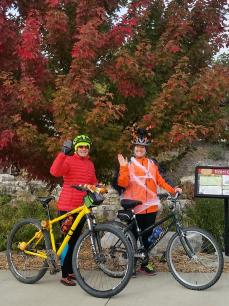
207 214
188 190
12 214
5 198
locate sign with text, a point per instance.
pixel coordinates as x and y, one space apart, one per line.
212 182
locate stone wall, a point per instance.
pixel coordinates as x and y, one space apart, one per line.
108 210
20 188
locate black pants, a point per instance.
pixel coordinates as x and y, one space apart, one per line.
144 221
66 266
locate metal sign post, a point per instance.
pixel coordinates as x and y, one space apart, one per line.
226 226
213 182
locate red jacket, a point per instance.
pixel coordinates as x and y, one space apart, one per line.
75 170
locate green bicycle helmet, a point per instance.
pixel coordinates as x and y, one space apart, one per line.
81 140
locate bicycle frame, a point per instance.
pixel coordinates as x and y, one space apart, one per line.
82 210
164 232
174 221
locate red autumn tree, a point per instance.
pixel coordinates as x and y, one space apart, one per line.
69 67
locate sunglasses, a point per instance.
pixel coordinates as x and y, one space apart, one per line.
83 147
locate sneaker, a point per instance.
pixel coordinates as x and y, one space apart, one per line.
72 276
134 274
67 281
148 269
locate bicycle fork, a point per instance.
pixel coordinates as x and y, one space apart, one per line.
95 241
185 243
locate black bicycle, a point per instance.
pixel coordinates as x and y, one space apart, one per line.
193 256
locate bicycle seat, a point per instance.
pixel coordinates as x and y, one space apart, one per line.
128 204
45 200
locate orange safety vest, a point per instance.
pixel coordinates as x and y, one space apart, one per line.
141 178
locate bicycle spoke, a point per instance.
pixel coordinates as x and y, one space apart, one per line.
201 270
27 268
105 269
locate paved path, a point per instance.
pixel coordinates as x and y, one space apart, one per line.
159 290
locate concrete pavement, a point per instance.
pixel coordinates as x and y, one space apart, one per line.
159 290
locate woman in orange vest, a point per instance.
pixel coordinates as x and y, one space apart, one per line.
140 178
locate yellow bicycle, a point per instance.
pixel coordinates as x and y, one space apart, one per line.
102 258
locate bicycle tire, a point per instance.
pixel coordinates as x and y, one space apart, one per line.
127 232
195 273
89 274
17 258
130 237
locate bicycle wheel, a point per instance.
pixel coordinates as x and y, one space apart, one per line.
27 268
95 263
129 235
203 266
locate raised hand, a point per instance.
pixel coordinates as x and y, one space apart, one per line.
67 147
122 161
178 189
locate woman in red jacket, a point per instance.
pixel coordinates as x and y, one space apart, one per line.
75 169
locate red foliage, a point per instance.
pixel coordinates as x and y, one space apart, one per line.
6 137
57 27
70 66
30 38
8 42
53 3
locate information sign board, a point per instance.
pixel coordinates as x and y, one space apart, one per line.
212 182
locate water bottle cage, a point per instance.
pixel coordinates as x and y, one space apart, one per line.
66 224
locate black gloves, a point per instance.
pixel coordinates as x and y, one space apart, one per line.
67 147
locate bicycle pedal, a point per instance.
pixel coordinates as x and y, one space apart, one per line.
54 271
162 258
140 255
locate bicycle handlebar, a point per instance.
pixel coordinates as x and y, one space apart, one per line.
173 201
173 198
177 195
79 187
90 188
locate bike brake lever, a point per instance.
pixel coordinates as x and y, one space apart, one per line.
78 187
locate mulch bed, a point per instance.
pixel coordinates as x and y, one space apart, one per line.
160 266
3 262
